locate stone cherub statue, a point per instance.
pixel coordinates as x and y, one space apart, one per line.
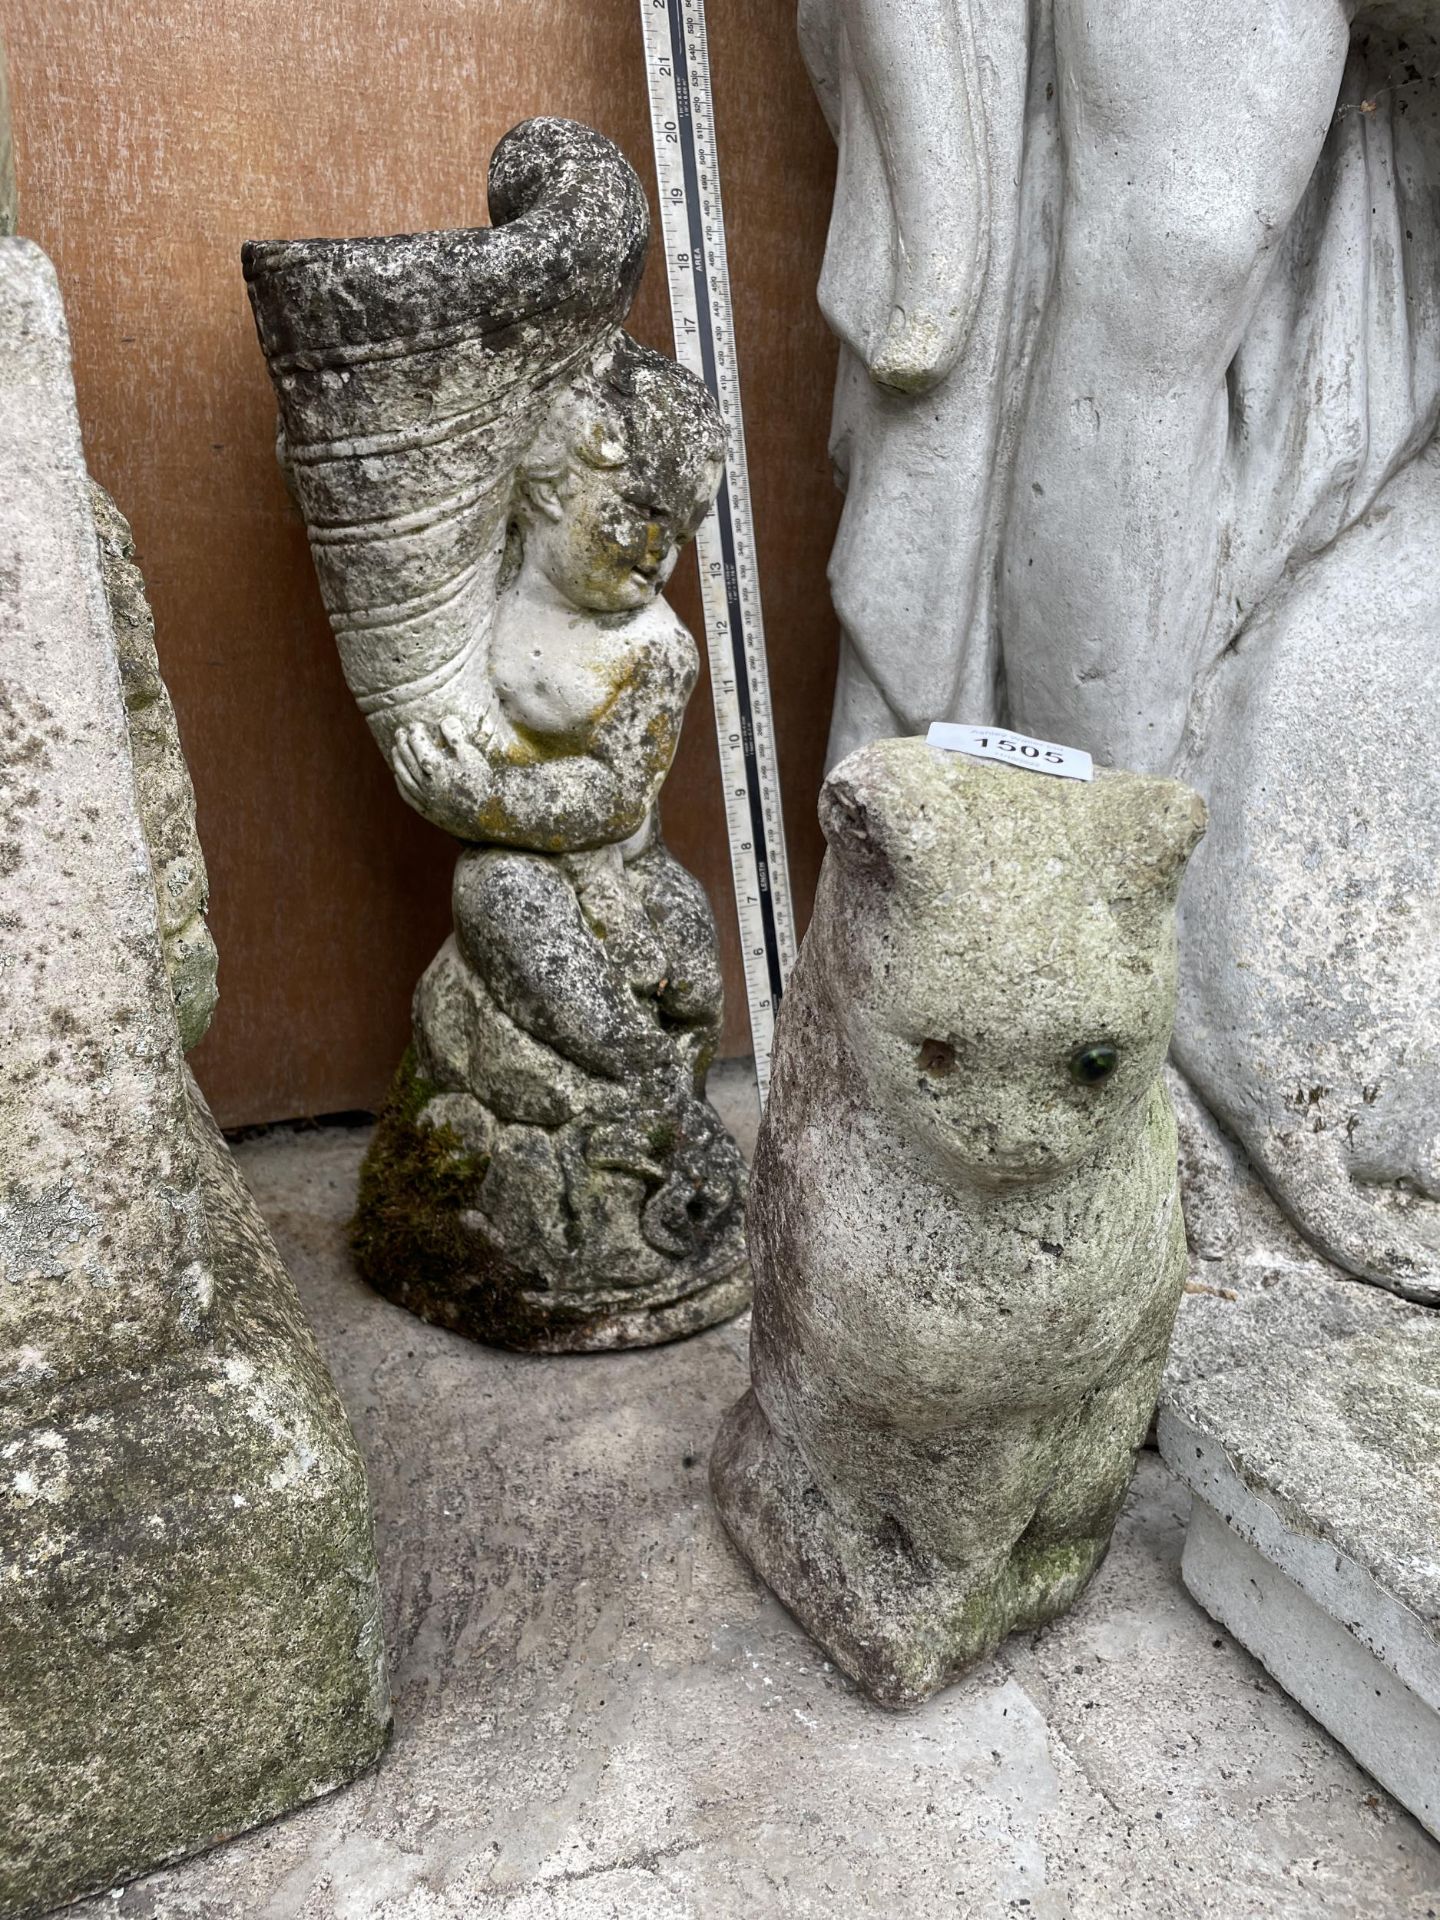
1137 414
964 1215
497 481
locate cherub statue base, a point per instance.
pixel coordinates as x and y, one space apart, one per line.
548 1174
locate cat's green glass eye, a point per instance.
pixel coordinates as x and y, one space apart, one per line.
1095 1062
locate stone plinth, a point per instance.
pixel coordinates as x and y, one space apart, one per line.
189 1622
1302 1414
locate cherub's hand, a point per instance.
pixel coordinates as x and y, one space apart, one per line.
445 773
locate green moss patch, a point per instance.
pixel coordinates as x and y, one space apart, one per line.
412 1244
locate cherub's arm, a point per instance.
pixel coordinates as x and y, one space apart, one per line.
554 795
918 74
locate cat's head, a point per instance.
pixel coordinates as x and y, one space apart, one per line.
1000 947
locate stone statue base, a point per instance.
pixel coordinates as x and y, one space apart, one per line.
192 1642
421 1241
422 1237
548 1175
899 1625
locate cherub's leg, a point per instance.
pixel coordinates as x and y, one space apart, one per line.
1189 134
693 993
519 925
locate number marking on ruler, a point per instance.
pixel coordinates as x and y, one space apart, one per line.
682 120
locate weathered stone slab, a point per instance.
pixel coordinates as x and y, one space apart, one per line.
103 1250
189 1625
1302 1412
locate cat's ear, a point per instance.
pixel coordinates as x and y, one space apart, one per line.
1154 827
853 831
863 817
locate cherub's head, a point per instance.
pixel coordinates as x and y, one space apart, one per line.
1001 949
619 478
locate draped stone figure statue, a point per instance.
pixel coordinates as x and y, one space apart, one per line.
497 481
1140 374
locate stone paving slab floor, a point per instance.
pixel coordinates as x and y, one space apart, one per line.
599 1712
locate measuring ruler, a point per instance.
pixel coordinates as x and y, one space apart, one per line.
682 120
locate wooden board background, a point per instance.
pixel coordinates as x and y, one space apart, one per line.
153 137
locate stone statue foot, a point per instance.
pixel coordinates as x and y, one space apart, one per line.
901 1625
1379 1228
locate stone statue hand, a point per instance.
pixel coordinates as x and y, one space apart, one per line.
446 773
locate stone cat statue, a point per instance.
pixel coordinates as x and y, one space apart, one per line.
964 1216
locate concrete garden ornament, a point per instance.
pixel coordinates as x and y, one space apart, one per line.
1140 375
496 481
964 1214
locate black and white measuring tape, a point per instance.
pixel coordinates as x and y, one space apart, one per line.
682 118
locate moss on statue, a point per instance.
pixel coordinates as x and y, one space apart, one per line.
410 1237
